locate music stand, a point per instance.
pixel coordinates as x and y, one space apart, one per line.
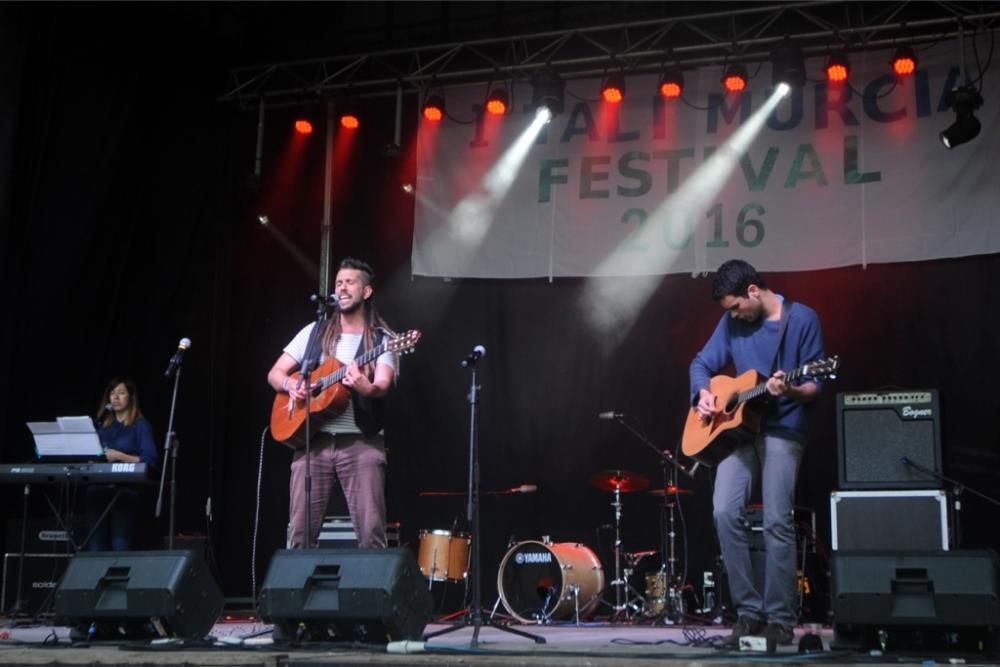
474 615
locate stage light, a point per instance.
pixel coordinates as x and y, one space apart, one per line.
350 121
672 83
496 103
734 80
904 61
408 188
966 127
787 65
263 219
547 91
303 127
837 68
434 108
613 89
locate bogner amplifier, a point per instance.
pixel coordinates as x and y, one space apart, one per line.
881 435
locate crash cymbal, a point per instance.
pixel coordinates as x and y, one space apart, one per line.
622 480
670 491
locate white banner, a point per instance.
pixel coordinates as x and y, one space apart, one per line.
832 176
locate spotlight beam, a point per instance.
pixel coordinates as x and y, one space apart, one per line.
611 305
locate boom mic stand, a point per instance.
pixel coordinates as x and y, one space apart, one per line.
474 616
957 489
170 454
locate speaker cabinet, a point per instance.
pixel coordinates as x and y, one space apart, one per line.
367 595
138 593
891 520
877 431
907 600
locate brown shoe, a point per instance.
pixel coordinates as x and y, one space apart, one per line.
743 627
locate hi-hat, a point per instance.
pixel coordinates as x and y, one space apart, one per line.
670 491
622 480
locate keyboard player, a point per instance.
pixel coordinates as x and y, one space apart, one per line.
126 437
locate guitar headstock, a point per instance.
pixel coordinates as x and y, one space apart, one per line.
404 342
822 368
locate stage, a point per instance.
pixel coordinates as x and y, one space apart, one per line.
245 642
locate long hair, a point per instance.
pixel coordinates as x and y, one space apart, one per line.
373 321
132 412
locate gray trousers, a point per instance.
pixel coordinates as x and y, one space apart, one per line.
776 462
359 464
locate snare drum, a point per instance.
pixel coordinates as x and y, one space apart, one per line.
539 581
444 555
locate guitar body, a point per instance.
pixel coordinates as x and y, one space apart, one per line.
710 441
288 426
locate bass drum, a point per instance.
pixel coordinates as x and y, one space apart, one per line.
540 581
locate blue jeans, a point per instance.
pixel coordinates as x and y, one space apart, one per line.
775 461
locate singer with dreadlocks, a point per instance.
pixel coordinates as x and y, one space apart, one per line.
349 448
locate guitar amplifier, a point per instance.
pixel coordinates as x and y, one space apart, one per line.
878 432
39 580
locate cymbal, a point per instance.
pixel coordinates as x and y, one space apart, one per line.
622 480
670 491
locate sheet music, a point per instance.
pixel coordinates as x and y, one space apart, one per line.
67 437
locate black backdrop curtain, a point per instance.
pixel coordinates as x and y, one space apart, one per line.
129 222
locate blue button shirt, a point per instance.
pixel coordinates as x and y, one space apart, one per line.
135 440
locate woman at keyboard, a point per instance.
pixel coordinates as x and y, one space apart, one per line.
126 437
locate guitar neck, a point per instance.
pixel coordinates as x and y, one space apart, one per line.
759 390
338 375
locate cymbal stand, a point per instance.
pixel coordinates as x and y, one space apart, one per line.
624 603
673 612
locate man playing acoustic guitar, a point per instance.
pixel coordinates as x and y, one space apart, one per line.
761 331
347 446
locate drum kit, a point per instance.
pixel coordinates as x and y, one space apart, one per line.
540 581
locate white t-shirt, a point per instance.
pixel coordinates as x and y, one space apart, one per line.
346 350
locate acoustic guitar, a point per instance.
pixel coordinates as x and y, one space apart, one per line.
329 397
711 440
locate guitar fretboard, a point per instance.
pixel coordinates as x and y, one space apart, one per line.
759 390
338 375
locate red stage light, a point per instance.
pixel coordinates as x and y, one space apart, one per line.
670 89
613 90
735 79
836 73
303 127
350 121
434 108
904 61
496 107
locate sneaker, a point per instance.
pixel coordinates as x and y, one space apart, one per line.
744 626
780 635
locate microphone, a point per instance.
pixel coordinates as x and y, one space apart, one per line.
107 407
610 414
694 469
175 361
330 300
477 353
525 488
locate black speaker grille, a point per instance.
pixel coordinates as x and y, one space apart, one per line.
874 437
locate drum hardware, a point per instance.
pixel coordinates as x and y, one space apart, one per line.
474 616
618 482
665 600
543 581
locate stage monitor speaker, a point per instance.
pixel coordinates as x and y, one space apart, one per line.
877 431
367 595
912 596
130 594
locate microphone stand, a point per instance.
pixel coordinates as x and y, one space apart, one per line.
474 616
957 489
664 453
170 452
311 360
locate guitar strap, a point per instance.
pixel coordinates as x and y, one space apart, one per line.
786 309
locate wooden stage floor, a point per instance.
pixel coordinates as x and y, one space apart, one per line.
249 643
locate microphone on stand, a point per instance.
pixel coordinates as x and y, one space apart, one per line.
175 361
610 414
478 352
